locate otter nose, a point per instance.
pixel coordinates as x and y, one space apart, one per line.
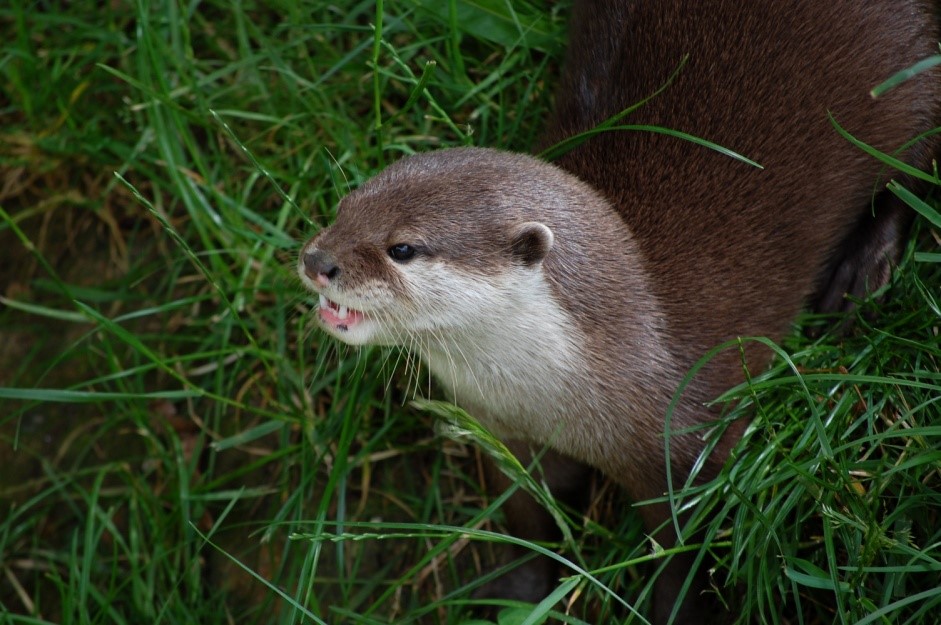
321 266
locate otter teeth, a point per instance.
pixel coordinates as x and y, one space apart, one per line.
342 312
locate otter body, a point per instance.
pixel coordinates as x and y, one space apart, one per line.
562 304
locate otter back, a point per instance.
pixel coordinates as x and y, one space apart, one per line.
733 250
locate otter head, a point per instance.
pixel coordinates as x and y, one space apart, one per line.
439 243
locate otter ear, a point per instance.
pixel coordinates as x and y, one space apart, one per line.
530 242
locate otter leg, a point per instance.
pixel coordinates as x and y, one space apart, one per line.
672 574
864 260
526 518
695 605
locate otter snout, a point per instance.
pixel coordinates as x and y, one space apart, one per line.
321 267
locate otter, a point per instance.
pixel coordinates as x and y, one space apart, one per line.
563 303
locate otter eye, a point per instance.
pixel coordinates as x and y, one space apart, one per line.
402 252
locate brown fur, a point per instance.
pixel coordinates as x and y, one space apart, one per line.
733 250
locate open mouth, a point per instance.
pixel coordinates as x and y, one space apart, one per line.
338 317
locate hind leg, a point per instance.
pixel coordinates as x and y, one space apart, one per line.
568 481
865 259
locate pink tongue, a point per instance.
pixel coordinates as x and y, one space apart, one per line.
330 316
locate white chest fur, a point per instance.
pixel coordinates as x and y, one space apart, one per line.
512 357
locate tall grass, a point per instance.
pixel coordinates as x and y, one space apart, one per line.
178 444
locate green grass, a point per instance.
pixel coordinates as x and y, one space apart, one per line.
179 445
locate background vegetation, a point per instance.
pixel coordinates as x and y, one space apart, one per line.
178 445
